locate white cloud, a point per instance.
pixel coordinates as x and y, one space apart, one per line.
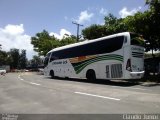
84 16
12 36
124 12
13 29
103 11
61 34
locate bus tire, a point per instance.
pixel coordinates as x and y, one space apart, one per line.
90 75
52 74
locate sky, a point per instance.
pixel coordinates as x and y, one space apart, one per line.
22 19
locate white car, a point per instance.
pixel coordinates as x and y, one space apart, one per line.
41 71
2 71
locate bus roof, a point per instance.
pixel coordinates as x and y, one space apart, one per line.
88 41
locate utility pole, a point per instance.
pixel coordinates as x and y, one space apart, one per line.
77 29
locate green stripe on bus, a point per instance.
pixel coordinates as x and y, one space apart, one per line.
100 57
96 60
81 65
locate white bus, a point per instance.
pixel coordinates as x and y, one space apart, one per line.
118 56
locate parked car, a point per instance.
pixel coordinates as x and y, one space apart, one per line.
41 71
2 71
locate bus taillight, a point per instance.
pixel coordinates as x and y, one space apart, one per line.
128 66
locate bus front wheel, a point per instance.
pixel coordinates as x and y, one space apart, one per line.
52 74
90 75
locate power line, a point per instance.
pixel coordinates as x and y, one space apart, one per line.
77 29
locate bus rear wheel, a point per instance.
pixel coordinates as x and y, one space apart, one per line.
90 75
52 74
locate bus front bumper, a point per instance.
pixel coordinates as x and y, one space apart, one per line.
137 74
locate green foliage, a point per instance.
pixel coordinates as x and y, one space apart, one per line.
14 58
67 40
94 31
112 25
35 61
155 24
146 24
22 60
43 42
4 58
14 54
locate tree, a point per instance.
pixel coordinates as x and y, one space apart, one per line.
43 42
35 61
22 59
14 54
68 40
94 31
3 57
154 25
146 24
114 25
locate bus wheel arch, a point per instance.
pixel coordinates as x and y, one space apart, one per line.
91 75
52 73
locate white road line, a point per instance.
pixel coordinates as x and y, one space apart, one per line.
19 76
138 88
129 88
34 83
28 82
97 96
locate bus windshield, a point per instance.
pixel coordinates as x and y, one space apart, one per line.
137 40
46 59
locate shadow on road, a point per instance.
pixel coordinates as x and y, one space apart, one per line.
121 83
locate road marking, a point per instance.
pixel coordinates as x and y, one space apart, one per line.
130 88
97 96
138 88
28 82
34 83
19 76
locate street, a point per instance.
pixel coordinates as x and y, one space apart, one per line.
29 92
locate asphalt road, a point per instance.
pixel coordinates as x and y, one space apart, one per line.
27 93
